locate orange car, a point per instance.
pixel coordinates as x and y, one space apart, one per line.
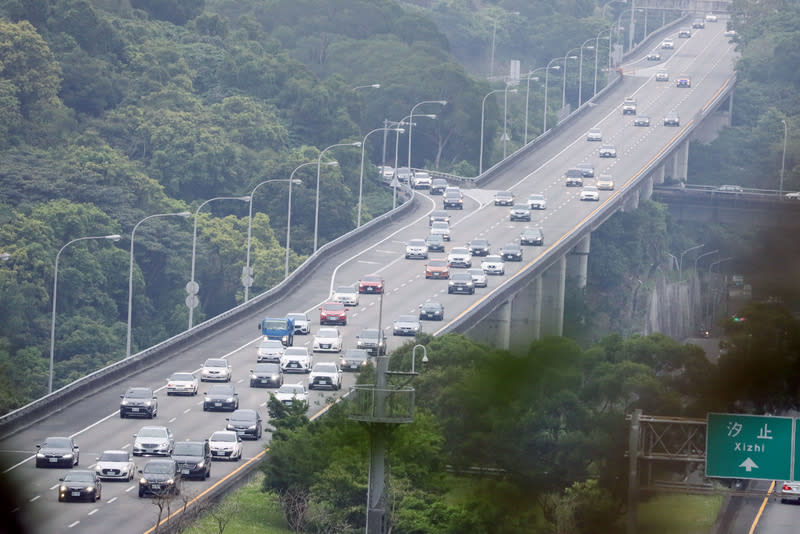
437 269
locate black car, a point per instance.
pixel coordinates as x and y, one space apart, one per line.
246 423
479 247
438 215
80 485
160 477
504 198
587 169
353 360
531 236
371 340
438 186
57 452
453 199
193 458
511 252
221 397
266 375
435 243
431 310
138 402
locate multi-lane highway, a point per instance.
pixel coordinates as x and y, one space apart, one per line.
706 56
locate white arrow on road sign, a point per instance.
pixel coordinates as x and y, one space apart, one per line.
748 464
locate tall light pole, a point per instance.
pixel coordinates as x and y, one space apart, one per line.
411 123
703 256
564 88
361 172
680 261
494 35
112 237
505 118
580 72
183 214
483 113
193 287
596 48
289 213
319 167
527 96
783 157
546 76
247 272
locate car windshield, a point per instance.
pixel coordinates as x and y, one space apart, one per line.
493 259
437 263
216 363
436 305
182 377
270 345
328 332
78 476
590 188
435 237
160 468
151 432
520 206
57 443
511 247
475 272
266 368
220 389
139 393
536 197
369 334
459 251
274 324
333 306
296 351
325 368
294 389
406 319
504 194
223 436
345 289
355 354
416 243
114 457
243 415
371 278
188 449
440 225
297 317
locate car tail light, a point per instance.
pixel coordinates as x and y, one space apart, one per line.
787 487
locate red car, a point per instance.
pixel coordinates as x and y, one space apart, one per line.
333 313
437 269
371 283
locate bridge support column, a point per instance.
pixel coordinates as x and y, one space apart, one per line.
646 188
552 311
658 174
502 323
578 261
526 315
681 161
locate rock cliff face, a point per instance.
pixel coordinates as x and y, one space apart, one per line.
674 308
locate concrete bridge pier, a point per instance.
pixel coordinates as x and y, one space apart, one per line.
552 311
680 163
526 315
578 261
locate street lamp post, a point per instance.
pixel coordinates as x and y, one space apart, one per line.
319 167
183 214
414 356
411 123
483 112
564 88
112 237
680 261
289 212
247 274
703 256
192 287
596 48
546 76
580 72
783 157
527 96
361 173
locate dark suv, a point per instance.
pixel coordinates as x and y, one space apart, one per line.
371 340
193 459
159 477
139 402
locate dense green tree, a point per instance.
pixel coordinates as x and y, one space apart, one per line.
176 11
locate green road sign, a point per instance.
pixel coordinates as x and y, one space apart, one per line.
749 446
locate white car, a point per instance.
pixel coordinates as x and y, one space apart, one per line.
608 151
325 375
605 182
594 134
302 324
662 76
418 248
348 295
667 44
590 193
216 370
296 360
225 445
182 383
153 441
269 350
460 257
442 228
711 18
328 340
519 212
421 180
478 277
115 465
792 196
288 393
537 202
493 265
